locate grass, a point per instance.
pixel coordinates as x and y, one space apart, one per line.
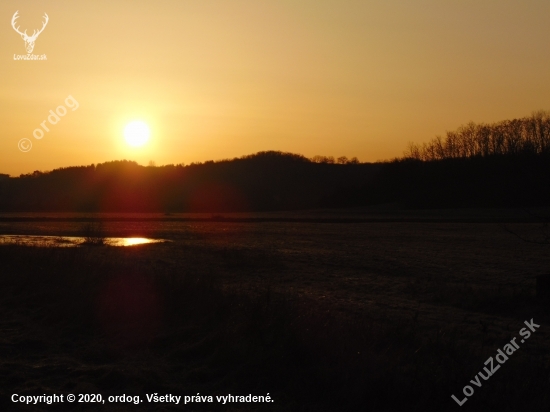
382 317
93 234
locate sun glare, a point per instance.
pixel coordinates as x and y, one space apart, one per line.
132 241
136 133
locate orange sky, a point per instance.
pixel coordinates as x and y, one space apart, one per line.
220 79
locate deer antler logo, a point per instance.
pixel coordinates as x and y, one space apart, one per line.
29 40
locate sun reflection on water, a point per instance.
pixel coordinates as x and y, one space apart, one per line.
71 241
132 241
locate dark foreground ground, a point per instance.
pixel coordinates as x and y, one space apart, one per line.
355 316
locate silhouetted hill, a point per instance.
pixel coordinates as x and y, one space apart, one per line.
493 181
502 164
260 182
269 181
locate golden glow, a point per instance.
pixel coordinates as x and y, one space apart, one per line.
132 241
216 80
137 133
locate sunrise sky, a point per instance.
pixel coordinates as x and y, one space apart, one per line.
221 79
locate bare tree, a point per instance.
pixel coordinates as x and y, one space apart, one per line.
510 137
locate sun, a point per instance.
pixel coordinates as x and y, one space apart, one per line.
136 133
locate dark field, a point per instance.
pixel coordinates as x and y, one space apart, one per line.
393 314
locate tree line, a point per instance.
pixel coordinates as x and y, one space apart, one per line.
479 165
263 181
527 135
